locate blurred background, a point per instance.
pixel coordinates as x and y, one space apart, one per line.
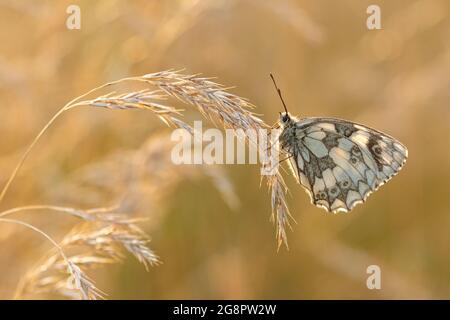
223 247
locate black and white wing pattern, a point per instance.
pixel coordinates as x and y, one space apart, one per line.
341 163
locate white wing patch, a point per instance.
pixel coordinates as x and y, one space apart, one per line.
341 163
316 147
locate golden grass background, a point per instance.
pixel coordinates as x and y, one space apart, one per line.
326 62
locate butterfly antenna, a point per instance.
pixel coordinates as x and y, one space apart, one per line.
279 92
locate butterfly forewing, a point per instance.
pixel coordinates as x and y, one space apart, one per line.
339 162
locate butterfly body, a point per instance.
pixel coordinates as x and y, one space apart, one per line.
340 163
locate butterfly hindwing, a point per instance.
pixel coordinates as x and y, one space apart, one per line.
340 163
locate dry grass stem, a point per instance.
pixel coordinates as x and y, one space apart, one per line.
215 102
113 230
92 245
77 279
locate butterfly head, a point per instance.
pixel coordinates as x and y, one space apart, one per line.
285 118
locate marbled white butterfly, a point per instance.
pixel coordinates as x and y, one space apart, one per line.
339 163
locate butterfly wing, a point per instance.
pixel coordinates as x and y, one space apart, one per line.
341 163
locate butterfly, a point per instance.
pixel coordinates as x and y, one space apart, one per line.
339 162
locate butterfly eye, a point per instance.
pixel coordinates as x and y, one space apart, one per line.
285 118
